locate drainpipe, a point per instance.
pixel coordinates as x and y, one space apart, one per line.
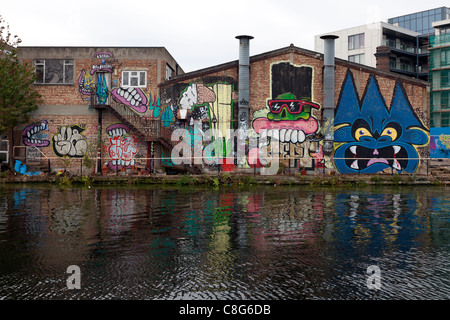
244 89
328 93
99 143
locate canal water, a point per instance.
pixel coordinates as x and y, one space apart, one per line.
269 243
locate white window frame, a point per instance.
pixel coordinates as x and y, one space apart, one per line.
40 63
5 151
169 72
66 63
356 41
129 75
357 58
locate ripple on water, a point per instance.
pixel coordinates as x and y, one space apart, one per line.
266 243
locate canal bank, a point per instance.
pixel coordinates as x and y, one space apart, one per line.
197 242
228 179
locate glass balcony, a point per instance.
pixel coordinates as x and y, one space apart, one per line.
401 46
402 66
423 50
439 41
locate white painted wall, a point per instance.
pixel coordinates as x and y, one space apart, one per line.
373 38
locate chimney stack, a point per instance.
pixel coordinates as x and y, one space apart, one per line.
328 93
382 55
244 81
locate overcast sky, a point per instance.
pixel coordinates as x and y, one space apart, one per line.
198 33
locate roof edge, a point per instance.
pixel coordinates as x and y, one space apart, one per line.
288 49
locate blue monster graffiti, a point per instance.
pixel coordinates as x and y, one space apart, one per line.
370 138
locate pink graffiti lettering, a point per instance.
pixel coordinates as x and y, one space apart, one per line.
318 157
122 151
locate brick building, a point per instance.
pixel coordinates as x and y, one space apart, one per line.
97 105
121 106
379 120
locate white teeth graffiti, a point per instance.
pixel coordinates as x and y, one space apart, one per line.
396 165
131 95
119 132
123 146
288 135
29 138
353 149
359 157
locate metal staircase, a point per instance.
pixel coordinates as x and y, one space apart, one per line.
148 128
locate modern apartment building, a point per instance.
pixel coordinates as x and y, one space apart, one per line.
406 37
421 22
440 74
408 51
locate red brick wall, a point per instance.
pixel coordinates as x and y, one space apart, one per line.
261 85
260 91
69 94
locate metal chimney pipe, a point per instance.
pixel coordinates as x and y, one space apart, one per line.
328 72
328 93
244 81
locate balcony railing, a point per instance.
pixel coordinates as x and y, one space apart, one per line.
402 66
150 128
405 67
407 48
401 46
439 41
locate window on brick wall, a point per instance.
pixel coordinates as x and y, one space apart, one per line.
54 71
136 79
169 72
4 151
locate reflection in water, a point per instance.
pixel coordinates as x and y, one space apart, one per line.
259 243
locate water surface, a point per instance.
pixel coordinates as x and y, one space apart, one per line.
143 242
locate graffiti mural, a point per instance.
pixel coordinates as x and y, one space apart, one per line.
106 64
70 142
123 146
202 106
96 82
155 106
33 135
196 94
211 104
167 117
85 83
133 98
289 116
369 137
166 159
440 143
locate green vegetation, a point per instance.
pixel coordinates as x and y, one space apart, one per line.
64 181
19 97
